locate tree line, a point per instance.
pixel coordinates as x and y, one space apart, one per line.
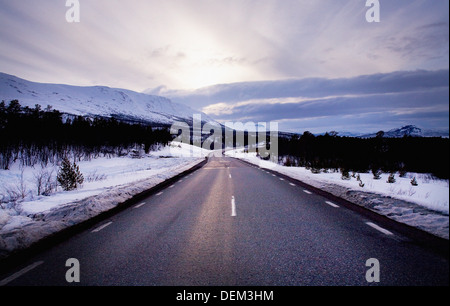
36 135
329 151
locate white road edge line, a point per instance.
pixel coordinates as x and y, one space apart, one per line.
233 207
332 204
20 273
139 205
306 191
98 229
378 228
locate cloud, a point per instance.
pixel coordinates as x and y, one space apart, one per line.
427 42
190 44
398 103
404 97
298 61
399 81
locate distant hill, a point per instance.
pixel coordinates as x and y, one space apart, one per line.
409 130
96 101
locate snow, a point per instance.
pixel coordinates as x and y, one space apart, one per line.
425 206
119 179
408 130
95 100
23 223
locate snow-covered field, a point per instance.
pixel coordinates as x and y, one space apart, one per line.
108 182
425 206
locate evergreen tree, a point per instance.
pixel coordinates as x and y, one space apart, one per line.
376 174
391 178
315 170
69 175
345 174
2 115
14 107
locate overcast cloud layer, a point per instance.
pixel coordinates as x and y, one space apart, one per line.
295 60
359 104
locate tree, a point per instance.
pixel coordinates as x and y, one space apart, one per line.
391 178
307 135
69 175
345 175
14 107
2 114
315 170
402 170
376 173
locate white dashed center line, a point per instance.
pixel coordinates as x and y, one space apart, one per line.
98 229
20 273
380 229
331 204
306 191
233 207
139 205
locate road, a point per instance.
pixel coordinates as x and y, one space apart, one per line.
232 224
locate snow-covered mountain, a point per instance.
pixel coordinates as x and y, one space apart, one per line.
96 101
409 130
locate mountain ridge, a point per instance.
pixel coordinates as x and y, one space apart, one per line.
129 105
408 130
96 101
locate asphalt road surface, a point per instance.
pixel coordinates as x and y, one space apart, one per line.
232 224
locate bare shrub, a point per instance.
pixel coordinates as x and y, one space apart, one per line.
44 182
411 192
95 177
15 192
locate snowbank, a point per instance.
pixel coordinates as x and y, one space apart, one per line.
117 180
425 206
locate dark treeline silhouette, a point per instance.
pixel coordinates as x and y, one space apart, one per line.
35 135
407 154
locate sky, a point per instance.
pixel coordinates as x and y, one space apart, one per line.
307 64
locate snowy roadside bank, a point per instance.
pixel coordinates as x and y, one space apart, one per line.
425 206
25 223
